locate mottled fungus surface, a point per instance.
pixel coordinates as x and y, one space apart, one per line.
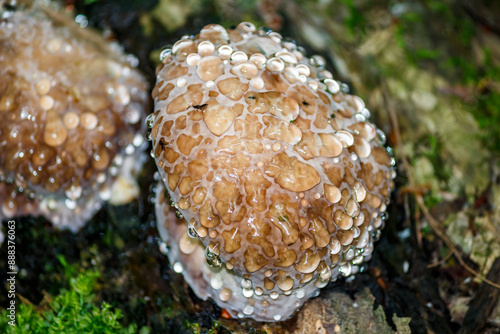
280 177
72 112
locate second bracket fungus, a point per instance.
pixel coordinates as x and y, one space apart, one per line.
281 180
71 118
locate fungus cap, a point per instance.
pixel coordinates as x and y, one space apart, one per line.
276 170
72 113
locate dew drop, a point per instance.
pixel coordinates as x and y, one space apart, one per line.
213 259
381 136
167 50
247 293
191 231
150 120
317 61
178 268
216 282
246 284
164 249
248 309
344 88
70 204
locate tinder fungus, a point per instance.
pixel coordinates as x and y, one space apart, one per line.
71 118
279 180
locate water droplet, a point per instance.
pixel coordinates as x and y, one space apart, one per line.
381 137
191 232
319 283
246 284
239 57
317 61
74 192
82 20
213 259
248 309
393 162
70 204
247 293
164 249
178 214
150 120
138 140
325 275
345 269
358 260
206 48
167 50
178 268
152 199
105 193
129 149
384 216
216 282
366 113
349 253
274 295
332 86
360 117
325 75
344 88
264 31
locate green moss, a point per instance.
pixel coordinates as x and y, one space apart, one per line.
194 327
72 311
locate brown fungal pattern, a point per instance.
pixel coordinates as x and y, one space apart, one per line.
276 168
71 118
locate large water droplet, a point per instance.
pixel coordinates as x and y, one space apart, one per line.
178 268
213 259
381 137
191 231
246 284
376 235
150 120
247 293
164 249
167 50
248 309
317 61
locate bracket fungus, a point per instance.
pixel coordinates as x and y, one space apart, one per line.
280 181
72 112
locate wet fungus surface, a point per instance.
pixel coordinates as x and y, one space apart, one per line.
279 180
72 111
